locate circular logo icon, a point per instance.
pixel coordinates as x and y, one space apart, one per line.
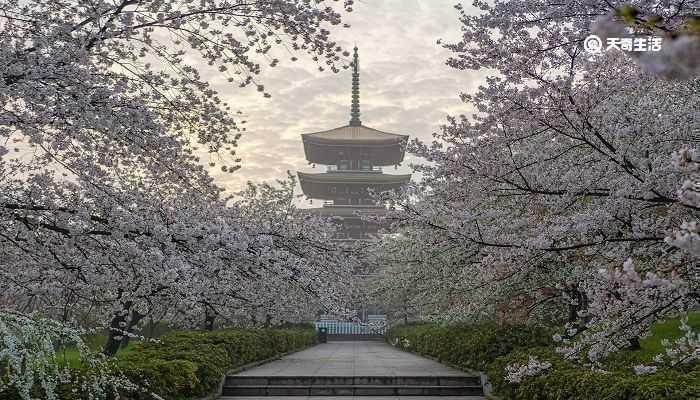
593 44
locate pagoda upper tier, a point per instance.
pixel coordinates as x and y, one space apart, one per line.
354 142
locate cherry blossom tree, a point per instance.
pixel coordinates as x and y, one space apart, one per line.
562 193
107 212
291 266
118 78
127 253
520 37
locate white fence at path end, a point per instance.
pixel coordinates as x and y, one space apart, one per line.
334 327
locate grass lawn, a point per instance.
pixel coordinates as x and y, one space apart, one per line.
651 345
667 330
69 355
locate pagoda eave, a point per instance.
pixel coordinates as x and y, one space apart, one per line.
354 142
360 178
310 138
331 186
380 155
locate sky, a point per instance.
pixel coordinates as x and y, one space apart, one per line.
406 88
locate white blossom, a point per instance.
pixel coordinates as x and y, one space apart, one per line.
516 372
644 369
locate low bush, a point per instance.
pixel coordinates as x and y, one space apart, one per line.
491 348
190 364
565 380
468 347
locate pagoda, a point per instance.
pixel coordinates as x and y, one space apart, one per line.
354 155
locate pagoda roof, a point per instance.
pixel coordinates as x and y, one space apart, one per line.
353 134
354 178
354 141
357 142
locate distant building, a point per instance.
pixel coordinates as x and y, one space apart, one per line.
354 155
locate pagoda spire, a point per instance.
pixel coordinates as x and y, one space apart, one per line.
355 105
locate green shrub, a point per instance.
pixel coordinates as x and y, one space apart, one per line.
491 348
565 380
190 364
469 347
187 364
296 325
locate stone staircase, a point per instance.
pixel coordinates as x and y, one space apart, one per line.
285 386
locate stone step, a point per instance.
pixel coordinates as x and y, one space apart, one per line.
352 390
237 380
354 398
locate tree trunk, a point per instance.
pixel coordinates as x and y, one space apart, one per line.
151 328
581 304
209 318
573 308
116 331
634 344
136 317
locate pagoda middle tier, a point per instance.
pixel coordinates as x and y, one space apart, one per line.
353 157
349 187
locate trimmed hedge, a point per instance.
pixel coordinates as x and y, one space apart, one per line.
468 347
490 348
190 364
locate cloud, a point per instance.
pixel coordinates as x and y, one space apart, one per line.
405 88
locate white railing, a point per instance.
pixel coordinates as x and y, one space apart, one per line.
334 168
374 327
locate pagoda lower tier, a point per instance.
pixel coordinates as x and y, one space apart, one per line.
350 219
349 188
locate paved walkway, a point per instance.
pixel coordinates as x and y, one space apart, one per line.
361 358
357 398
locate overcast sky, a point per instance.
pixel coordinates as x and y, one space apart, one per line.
405 88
